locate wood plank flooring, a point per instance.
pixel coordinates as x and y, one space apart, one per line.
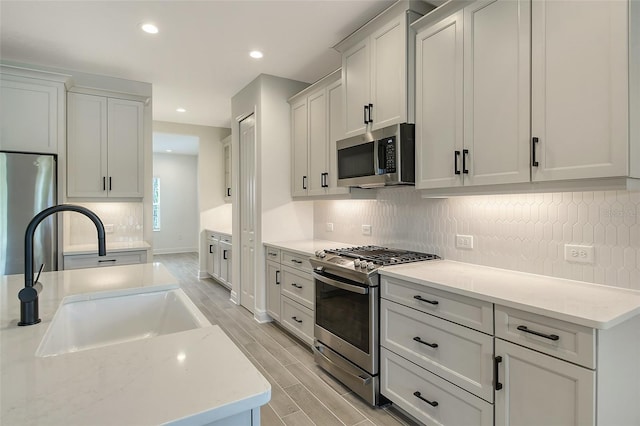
301 392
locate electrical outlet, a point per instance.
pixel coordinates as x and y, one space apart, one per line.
366 229
329 227
464 241
579 254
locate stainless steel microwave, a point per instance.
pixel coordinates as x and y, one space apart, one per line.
379 158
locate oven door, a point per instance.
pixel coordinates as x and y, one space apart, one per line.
347 319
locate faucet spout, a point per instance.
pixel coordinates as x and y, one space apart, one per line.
29 294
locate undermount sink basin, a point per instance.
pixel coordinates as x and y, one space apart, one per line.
91 321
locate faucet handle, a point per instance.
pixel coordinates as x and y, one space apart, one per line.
39 272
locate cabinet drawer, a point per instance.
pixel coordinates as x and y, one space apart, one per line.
297 319
463 310
561 339
93 260
296 261
462 356
298 286
273 254
401 380
225 238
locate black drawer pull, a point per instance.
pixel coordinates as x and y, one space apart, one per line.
107 260
272 254
296 320
296 285
419 396
299 262
422 299
553 337
431 345
496 379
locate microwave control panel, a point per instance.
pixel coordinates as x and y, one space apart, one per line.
387 154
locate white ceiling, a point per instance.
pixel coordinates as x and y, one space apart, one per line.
199 59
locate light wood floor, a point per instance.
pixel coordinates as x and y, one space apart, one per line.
301 393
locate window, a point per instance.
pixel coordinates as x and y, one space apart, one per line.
156 204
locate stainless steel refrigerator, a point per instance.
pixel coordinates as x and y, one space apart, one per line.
27 186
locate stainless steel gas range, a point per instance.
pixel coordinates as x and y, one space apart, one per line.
347 313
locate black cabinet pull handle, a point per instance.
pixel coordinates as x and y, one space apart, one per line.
299 262
272 254
277 277
296 320
419 396
465 152
370 113
109 183
366 110
210 248
104 183
534 163
496 380
224 254
431 345
456 157
553 337
296 285
323 180
107 260
304 182
422 299
228 192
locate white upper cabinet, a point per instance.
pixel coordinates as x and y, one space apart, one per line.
378 71
31 110
317 104
300 148
472 103
580 91
104 147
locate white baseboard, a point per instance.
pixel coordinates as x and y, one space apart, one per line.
262 316
234 297
175 250
203 274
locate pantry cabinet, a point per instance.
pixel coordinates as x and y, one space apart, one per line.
33 115
104 147
473 100
316 125
378 72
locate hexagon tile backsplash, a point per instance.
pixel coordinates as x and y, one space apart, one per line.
524 232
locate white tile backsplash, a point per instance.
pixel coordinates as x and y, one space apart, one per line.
524 232
126 218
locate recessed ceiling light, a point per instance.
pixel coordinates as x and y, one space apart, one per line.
149 28
168 150
256 54
181 110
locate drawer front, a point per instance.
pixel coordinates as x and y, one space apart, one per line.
296 261
561 339
298 286
401 380
273 254
297 319
94 261
466 311
211 236
461 355
225 238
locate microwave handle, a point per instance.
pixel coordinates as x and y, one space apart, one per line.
381 156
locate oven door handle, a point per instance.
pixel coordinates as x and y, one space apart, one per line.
364 380
344 286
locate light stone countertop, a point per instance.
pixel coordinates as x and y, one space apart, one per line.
306 247
224 231
591 305
192 377
70 249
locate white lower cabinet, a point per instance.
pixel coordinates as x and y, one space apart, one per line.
113 258
218 254
536 389
273 289
297 319
429 398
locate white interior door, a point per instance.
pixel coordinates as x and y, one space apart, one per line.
247 196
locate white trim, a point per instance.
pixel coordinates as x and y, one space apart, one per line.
176 250
234 297
261 316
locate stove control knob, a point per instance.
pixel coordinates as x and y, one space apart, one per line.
371 266
356 263
321 254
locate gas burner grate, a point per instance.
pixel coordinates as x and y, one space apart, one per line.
382 255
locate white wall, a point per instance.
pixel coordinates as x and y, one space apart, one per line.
524 232
179 214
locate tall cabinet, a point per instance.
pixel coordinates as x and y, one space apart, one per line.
105 147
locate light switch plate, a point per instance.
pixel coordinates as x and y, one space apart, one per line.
579 254
329 227
464 241
366 229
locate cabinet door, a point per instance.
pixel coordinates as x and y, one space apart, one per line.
335 116
125 155
29 118
299 130
439 107
541 390
217 255
225 262
580 89
317 104
389 74
86 145
210 256
356 85
496 91
226 152
273 290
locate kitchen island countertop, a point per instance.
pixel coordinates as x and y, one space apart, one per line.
191 377
592 305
